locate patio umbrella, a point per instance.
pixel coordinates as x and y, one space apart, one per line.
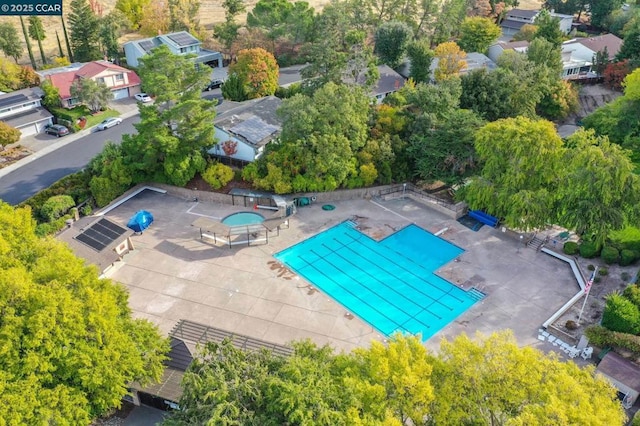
140 221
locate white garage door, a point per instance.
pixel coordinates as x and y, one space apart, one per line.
121 93
29 130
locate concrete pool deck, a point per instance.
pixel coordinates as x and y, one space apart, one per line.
174 275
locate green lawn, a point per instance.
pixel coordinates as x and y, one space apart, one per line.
82 111
627 237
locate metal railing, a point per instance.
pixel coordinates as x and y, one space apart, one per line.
410 189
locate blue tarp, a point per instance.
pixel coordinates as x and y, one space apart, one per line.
140 221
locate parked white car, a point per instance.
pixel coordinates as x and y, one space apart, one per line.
109 122
143 97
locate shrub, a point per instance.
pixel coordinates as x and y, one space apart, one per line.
51 228
628 257
86 210
591 267
75 185
610 255
600 336
571 325
56 207
603 271
632 293
589 250
570 247
620 314
218 175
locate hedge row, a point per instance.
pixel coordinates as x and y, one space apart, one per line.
609 254
602 337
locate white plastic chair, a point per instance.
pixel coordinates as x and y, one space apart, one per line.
587 352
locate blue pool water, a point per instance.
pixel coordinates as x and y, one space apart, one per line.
243 218
390 284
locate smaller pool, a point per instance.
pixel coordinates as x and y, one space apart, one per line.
243 218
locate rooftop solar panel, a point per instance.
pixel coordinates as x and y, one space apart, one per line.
11 100
101 234
147 45
183 39
254 129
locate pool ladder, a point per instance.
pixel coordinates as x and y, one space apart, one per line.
476 294
351 223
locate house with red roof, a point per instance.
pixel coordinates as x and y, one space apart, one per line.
124 83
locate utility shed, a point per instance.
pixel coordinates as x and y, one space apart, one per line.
623 374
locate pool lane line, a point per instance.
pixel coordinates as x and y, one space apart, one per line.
451 287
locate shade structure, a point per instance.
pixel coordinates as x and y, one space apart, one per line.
140 221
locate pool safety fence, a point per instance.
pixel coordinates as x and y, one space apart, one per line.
409 190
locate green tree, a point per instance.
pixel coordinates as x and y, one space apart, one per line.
450 60
600 60
234 89
8 134
599 193
548 28
171 142
521 161
420 55
258 71
447 24
561 101
443 149
69 345
66 39
505 384
567 7
133 10
112 27
527 33
601 9
489 94
95 96
545 54
85 27
477 34
28 43
271 17
183 15
227 32
620 314
171 77
9 41
51 94
37 33
397 377
10 75
391 39
630 48
110 177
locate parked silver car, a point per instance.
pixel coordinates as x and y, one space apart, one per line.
109 122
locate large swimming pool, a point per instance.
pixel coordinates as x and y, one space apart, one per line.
390 284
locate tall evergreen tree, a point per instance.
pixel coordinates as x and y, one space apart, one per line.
37 33
59 45
85 28
26 39
66 40
9 41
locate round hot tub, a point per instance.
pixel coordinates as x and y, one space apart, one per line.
243 218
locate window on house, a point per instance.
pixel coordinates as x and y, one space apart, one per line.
72 101
120 77
100 80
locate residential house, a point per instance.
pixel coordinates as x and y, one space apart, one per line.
495 50
23 110
473 61
388 83
623 374
515 19
245 128
180 43
578 54
124 83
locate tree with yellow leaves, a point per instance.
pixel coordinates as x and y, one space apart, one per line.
450 60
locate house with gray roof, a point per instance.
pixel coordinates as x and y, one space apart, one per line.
623 374
473 61
578 54
389 82
515 19
180 43
243 129
23 110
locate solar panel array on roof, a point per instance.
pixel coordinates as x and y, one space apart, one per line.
147 45
11 100
183 39
254 129
101 234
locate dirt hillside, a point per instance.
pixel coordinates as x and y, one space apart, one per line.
211 12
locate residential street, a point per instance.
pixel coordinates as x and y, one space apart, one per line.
43 171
